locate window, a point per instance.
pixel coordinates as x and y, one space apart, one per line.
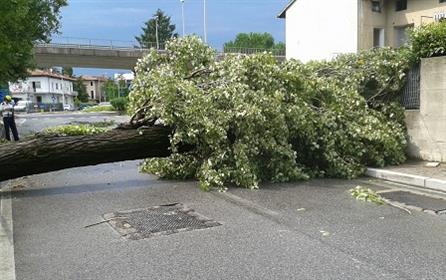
57 86
36 85
401 5
376 6
92 94
91 83
378 37
39 99
401 35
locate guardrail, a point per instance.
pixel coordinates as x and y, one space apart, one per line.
102 44
276 52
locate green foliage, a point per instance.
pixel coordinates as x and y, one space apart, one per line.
166 31
429 40
254 41
76 130
23 23
120 103
103 108
366 194
115 90
81 89
67 71
252 119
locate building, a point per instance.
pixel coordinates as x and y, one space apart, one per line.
323 29
45 87
126 77
95 87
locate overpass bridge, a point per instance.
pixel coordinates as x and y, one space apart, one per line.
87 56
107 56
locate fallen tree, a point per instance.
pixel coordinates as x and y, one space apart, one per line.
45 153
246 119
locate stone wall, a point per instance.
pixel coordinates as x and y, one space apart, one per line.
427 126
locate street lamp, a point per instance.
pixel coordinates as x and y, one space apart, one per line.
204 21
156 32
182 15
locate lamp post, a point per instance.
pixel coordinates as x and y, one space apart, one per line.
205 22
182 16
156 32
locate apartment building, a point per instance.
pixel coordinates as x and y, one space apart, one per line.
322 29
94 86
45 87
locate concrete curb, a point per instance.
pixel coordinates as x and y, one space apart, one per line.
409 179
7 262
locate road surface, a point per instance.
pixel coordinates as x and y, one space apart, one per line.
31 123
307 230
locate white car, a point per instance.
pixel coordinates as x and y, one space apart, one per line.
22 105
68 107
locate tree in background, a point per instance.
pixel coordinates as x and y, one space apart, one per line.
68 71
166 31
115 89
253 40
81 89
23 23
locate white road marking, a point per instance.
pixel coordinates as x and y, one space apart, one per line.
7 262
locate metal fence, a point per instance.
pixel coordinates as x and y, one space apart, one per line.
276 52
410 96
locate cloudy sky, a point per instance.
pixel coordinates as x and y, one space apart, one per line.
123 19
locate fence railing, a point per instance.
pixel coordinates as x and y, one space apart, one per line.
410 95
86 43
276 52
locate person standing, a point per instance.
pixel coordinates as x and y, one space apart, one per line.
7 109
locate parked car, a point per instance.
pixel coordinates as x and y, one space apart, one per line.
22 105
68 107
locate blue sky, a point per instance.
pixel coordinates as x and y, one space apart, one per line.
123 19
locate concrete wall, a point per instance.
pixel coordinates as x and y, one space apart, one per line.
321 29
427 126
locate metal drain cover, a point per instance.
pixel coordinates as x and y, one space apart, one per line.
421 201
159 220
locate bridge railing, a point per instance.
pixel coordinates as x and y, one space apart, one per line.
87 43
275 52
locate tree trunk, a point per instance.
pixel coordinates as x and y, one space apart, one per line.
50 153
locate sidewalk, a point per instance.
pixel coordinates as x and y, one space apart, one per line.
415 173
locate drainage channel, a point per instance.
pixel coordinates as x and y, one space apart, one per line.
416 201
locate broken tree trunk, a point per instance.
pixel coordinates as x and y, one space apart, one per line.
47 153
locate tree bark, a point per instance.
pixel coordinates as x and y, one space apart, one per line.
47 153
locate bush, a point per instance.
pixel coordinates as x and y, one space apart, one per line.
429 40
251 119
120 103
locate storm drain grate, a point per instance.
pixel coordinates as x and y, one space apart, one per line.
159 220
422 201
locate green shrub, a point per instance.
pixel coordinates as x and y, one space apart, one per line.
252 119
120 103
429 40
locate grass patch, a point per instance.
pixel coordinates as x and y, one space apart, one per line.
105 108
76 130
104 123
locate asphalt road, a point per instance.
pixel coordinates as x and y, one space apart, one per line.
31 123
308 230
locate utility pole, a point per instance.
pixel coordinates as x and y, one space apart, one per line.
182 16
205 22
156 33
